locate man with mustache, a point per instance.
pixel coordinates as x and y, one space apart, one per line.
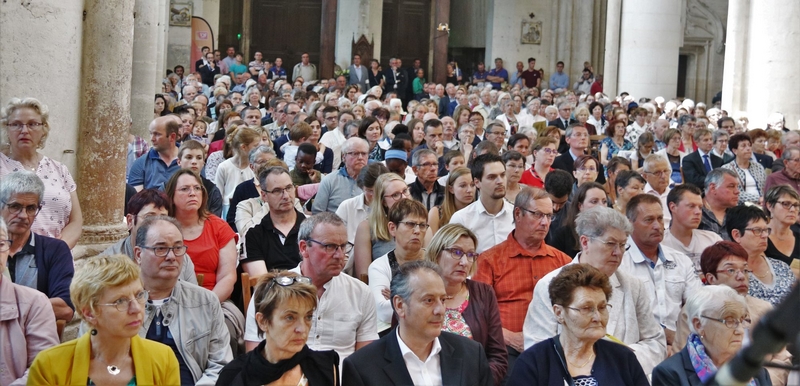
668 275
345 318
178 313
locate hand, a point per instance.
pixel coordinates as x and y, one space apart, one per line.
438 147
514 339
670 336
314 175
386 293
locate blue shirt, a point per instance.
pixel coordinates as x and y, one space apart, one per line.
150 170
278 73
501 73
479 75
515 80
559 80
237 69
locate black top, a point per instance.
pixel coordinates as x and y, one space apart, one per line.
564 240
263 242
319 367
776 254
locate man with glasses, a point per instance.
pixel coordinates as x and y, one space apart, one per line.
603 233
290 111
668 275
790 174
577 138
496 133
331 116
35 261
514 266
141 206
345 318
656 171
425 188
272 244
685 203
183 316
341 185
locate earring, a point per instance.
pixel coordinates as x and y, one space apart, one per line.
94 331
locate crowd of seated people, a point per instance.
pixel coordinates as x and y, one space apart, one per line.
482 232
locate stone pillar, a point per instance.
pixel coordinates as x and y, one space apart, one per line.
40 54
611 61
650 39
441 15
247 24
105 106
327 40
161 44
145 64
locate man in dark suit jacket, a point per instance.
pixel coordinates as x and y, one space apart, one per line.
395 79
694 165
562 122
577 138
462 361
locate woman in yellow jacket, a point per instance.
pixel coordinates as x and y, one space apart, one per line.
109 297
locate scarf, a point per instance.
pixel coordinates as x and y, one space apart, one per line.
266 372
701 362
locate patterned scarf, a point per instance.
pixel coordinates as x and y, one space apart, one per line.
701 362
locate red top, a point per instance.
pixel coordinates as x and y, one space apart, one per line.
513 273
531 178
204 250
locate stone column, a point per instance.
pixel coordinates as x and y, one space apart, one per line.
247 24
650 39
327 40
145 64
105 112
611 60
161 47
441 15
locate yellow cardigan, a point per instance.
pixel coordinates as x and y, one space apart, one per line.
68 363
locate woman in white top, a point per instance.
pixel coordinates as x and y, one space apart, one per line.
511 120
235 170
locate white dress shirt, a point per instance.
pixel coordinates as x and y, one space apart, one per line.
668 281
489 229
427 373
630 318
667 215
334 139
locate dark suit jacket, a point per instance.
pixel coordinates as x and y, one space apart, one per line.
381 363
765 160
562 144
444 104
399 79
677 370
694 172
565 162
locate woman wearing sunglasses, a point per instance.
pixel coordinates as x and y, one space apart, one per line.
108 295
284 304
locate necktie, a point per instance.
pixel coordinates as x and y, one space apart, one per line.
706 163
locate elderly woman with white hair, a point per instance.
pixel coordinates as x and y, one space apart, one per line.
603 234
718 319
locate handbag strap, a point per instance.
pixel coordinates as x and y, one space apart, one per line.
560 353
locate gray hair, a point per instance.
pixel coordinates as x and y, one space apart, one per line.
718 134
352 142
261 149
416 158
264 173
686 118
401 281
596 221
3 227
787 153
710 300
144 228
786 135
716 177
466 125
310 223
572 127
654 159
21 182
551 108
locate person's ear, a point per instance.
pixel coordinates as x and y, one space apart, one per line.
137 255
399 306
558 310
736 236
392 228
89 316
584 242
303 247
711 279
698 327
672 206
130 220
262 322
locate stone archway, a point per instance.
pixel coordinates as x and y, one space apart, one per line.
704 46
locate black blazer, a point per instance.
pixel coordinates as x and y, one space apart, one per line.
392 79
694 172
444 103
677 370
562 144
565 162
462 360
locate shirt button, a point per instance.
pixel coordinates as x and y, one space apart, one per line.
319 317
317 336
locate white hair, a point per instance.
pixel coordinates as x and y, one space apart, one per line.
709 301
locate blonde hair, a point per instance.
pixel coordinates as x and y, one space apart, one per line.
242 135
31 103
449 203
98 273
379 214
444 238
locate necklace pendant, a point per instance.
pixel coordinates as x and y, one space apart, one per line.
113 370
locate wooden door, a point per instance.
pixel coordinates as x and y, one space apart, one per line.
286 29
406 31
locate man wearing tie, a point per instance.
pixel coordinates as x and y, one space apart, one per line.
562 122
358 74
697 164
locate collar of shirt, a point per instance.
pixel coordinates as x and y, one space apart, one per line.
638 257
29 248
343 172
482 209
408 354
512 248
703 154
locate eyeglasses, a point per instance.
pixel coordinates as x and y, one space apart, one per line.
661 173
189 189
331 248
16 126
590 310
548 150
162 251
788 205
457 254
731 322
124 304
475 120
401 194
357 154
538 216
16 208
413 225
5 245
734 271
285 281
429 164
759 231
289 189
497 132
623 246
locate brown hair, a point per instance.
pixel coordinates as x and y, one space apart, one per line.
172 186
574 276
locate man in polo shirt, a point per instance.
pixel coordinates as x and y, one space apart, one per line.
36 261
272 244
425 188
155 167
498 74
514 266
341 185
491 217
345 318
